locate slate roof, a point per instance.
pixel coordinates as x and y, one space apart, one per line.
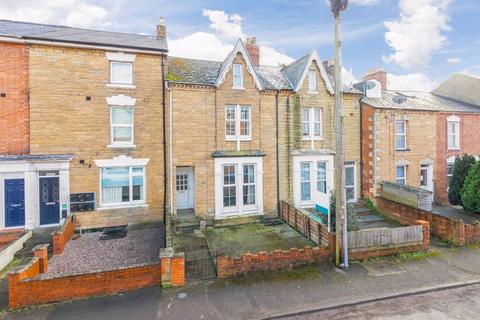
462 87
273 78
35 31
421 101
294 71
193 71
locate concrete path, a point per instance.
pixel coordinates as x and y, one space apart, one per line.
451 212
275 294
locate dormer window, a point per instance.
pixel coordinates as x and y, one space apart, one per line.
237 76
312 82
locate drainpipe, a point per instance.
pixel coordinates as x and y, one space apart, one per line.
170 147
164 142
277 151
361 148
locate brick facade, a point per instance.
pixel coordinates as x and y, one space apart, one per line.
70 115
379 154
469 125
14 93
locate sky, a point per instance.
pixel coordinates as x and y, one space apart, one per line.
420 43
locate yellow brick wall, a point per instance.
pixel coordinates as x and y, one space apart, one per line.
199 131
420 144
64 122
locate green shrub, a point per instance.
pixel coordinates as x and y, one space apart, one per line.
471 190
460 170
352 217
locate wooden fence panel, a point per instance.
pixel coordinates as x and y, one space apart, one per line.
381 237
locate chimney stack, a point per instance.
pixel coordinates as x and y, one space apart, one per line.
161 28
253 50
377 74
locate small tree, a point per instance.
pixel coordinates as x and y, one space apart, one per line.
460 170
471 190
352 217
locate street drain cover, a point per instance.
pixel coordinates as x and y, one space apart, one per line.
380 269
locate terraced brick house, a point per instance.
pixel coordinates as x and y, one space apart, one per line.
90 140
412 138
244 136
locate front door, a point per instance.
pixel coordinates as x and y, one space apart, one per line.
14 202
350 182
49 199
184 188
426 177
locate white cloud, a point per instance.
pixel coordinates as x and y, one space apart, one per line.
454 60
418 32
411 82
74 13
227 29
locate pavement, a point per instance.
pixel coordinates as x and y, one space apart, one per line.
452 212
287 293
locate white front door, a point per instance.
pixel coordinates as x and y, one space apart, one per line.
426 177
184 188
350 182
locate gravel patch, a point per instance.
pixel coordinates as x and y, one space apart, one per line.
90 254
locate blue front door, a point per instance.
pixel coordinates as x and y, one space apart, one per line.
14 202
49 200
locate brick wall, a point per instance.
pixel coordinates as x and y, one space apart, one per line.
468 145
264 261
452 230
64 121
25 289
14 106
62 236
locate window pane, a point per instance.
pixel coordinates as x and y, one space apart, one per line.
305 171
305 186
230 129
249 173
317 129
305 114
322 177
245 113
312 85
122 115
121 72
237 76
317 113
400 172
115 185
229 196
249 194
349 176
137 189
122 134
400 126
244 128
228 175
401 143
231 112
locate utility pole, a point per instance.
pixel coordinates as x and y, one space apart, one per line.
341 257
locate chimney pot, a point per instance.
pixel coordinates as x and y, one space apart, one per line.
253 50
161 28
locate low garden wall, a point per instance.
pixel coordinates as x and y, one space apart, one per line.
26 288
61 236
455 231
11 243
265 261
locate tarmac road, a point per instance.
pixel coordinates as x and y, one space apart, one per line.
460 303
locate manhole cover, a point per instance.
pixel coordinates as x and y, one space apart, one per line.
380 269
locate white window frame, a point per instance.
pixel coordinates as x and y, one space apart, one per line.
302 180
122 83
402 134
113 126
222 212
131 174
311 122
322 180
456 122
450 162
254 184
312 82
235 185
404 178
237 120
239 75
